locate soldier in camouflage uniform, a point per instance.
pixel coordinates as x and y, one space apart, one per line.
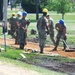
51 28
12 22
61 28
42 27
17 37
23 30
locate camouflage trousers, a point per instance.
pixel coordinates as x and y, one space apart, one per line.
58 40
23 37
17 37
42 38
52 38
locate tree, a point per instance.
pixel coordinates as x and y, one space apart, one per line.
61 6
51 5
30 6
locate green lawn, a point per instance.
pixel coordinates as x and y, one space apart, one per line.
13 56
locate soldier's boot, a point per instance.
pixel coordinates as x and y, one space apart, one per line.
41 50
56 44
21 46
55 49
64 48
15 41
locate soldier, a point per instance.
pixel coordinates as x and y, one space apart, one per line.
42 27
4 28
61 29
51 28
12 22
24 22
17 38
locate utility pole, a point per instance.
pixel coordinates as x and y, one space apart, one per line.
5 20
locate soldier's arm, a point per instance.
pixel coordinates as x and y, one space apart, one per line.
17 23
49 22
2 23
20 24
46 23
56 27
52 25
28 22
10 20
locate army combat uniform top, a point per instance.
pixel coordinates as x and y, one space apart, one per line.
42 27
51 29
12 23
23 32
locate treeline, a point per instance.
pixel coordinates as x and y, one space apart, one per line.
30 5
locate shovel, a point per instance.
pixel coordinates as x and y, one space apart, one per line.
68 49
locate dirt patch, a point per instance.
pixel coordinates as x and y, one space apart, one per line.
47 49
53 64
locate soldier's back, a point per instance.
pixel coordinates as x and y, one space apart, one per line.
41 23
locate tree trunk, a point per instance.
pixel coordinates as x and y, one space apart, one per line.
63 16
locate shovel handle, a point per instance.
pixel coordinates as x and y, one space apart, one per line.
65 43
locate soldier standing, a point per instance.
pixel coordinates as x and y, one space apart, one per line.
12 22
61 29
42 27
24 22
17 38
4 29
51 28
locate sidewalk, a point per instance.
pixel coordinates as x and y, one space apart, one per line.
10 69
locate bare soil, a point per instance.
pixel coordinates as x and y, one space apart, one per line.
35 46
66 67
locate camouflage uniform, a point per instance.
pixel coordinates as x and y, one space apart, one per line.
12 22
51 29
41 27
4 30
61 34
23 32
17 38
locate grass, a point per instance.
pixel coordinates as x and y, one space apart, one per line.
11 53
15 55
29 67
35 57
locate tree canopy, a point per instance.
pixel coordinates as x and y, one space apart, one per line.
61 6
